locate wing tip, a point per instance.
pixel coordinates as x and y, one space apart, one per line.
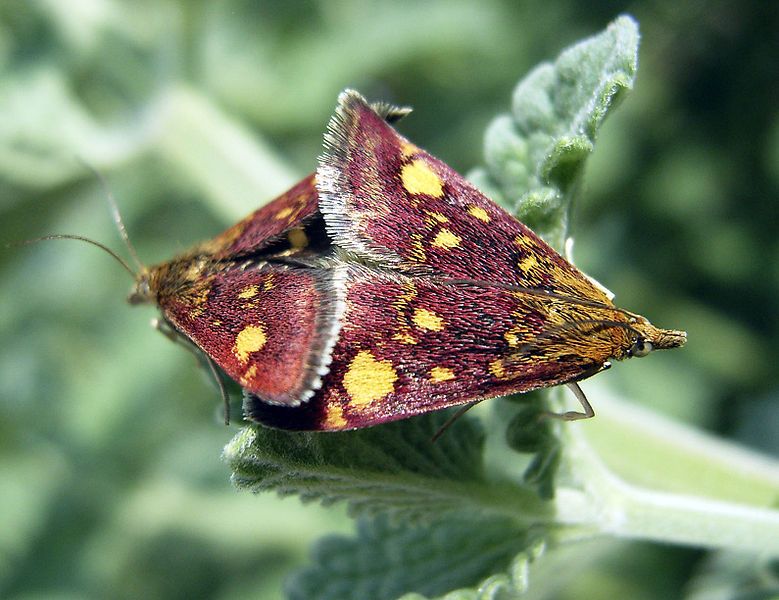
350 99
333 179
327 325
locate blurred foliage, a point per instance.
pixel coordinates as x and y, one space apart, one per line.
198 112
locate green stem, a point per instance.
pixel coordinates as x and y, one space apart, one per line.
656 452
707 514
619 509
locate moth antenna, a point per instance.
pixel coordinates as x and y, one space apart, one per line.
81 238
116 215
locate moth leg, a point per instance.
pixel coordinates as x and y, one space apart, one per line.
174 336
573 415
222 389
450 421
165 329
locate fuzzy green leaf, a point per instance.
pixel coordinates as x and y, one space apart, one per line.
529 431
394 468
535 156
386 560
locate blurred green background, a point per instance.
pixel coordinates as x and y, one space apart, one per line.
111 483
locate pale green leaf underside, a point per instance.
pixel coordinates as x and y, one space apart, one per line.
395 468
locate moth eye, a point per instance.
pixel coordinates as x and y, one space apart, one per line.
640 348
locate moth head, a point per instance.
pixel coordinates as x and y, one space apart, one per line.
141 292
645 337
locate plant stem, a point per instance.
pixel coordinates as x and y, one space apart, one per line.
614 506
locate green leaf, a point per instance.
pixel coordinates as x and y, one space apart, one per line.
529 431
394 468
535 156
386 560
60 115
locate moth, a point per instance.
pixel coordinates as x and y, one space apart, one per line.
383 286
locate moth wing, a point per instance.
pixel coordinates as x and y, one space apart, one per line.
291 224
390 202
282 224
410 345
271 328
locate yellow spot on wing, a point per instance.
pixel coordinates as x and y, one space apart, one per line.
248 292
284 213
479 213
496 368
522 241
427 319
196 300
334 417
369 379
251 339
441 374
400 303
419 178
407 149
417 251
446 239
405 338
512 338
297 238
248 375
528 263
437 216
